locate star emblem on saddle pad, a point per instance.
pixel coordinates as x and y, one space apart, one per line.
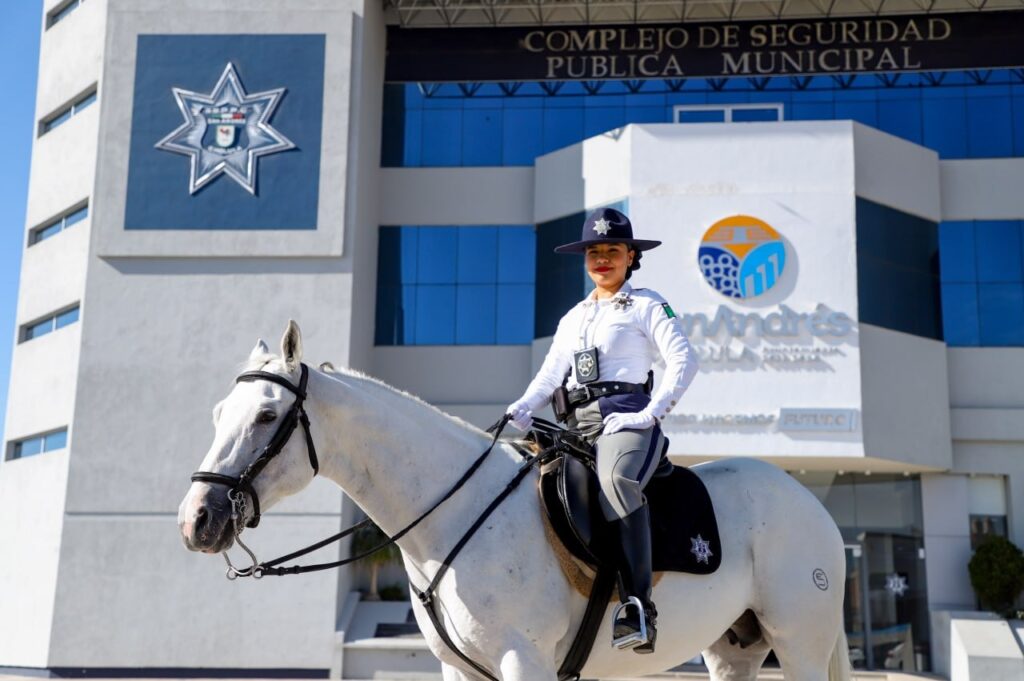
896 584
226 131
701 549
601 226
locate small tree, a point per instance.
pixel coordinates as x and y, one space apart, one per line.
365 539
997 574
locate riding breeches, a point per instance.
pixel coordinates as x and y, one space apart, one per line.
626 460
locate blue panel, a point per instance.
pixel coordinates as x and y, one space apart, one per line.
562 127
1001 315
515 318
65 318
481 137
862 112
522 136
811 111
442 139
900 117
648 114
287 187
944 122
58 440
701 116
77 216
956 252
517 255
477 255
476 308
754 115
597 120
998 251
1018 125
28 447
436 255
39 329
435 315
989 127
960 314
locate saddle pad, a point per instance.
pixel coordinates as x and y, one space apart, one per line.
684 531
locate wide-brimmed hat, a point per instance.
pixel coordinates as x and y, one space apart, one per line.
607 226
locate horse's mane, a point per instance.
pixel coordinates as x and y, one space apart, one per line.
330 371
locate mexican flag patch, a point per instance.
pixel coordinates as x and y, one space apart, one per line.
668 310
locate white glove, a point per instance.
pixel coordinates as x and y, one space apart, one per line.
522 417
641 420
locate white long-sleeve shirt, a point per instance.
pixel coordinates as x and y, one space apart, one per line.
629 338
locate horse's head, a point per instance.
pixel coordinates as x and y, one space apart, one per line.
250 422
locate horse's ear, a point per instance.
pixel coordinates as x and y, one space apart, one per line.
260 350
291 345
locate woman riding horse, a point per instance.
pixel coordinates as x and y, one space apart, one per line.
597 373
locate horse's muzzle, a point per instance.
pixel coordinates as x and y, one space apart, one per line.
205 519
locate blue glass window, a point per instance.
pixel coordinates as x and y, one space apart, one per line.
467 285
63 114
62 13
510 124
48 324
38 444
982 268
54 227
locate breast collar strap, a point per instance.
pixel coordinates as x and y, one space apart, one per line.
295 416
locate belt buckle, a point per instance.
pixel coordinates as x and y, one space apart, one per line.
588 394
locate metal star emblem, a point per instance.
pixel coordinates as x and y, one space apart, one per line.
226 131
896 584
622 300
601 226
701 549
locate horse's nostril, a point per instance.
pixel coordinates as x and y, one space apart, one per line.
201 519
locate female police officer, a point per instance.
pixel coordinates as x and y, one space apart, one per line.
602 352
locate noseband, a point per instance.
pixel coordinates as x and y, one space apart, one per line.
242 485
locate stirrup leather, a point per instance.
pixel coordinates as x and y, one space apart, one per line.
637 638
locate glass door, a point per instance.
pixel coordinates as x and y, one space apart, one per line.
855 608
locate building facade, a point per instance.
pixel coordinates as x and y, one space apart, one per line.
837 192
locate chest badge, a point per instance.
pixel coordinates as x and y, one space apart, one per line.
585 363
622 300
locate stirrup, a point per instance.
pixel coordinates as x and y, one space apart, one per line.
637 638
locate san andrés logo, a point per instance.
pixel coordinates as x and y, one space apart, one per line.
742 256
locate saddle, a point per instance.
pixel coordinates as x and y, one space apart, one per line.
684 531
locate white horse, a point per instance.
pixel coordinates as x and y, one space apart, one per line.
507 601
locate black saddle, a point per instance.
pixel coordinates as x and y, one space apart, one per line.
684 531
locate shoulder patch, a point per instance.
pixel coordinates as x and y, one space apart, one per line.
668 310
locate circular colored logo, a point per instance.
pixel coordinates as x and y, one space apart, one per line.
742 256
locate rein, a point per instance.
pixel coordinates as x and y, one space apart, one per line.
242 486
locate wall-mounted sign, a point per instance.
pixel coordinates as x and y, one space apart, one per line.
818 420
966 40
741 256
225 131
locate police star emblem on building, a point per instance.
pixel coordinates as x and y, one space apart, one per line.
226 131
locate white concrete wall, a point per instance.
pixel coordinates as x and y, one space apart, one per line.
906 398
456 196
163 334
44 371
31 493
947 541
982 189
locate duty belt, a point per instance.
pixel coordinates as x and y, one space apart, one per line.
591 391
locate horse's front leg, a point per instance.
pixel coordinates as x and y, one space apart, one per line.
525 662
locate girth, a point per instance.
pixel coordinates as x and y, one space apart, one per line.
295 416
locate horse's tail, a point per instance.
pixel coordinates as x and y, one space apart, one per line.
839 663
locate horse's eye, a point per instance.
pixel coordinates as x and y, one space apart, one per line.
265 416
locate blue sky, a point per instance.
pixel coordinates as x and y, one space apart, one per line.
19 64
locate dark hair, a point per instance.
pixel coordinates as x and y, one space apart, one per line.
637 254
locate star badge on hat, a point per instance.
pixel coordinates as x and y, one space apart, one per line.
601 226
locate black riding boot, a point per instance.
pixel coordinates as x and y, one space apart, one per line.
635 578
